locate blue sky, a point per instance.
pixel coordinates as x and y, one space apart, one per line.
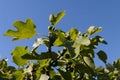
79 14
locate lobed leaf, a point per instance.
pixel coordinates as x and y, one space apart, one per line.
25 30
55 19
17 54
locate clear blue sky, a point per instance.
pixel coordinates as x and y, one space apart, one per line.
79 14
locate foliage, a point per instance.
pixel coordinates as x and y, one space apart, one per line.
75 61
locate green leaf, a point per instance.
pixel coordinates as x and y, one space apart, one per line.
87 52
18 75
101 40
43 55
45 62
17 54
102 56
70 49
82 40
65 75
25 30
93 30
99 69
37 73
60 41
77 50
96 40
56 77
89 61
118 62
55 19
3 63
73 33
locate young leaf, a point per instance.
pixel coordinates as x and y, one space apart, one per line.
25 30
60 41
102 56
93 30
17 54
55 19
73 33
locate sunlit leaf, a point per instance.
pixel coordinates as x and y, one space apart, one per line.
55 19
44 62
73 33
118 61
89 61
37 73
93 30
17 54
25 30
3 63
102 56
38 42
77 50
99 69
44 77
18 75
60 41
82 40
